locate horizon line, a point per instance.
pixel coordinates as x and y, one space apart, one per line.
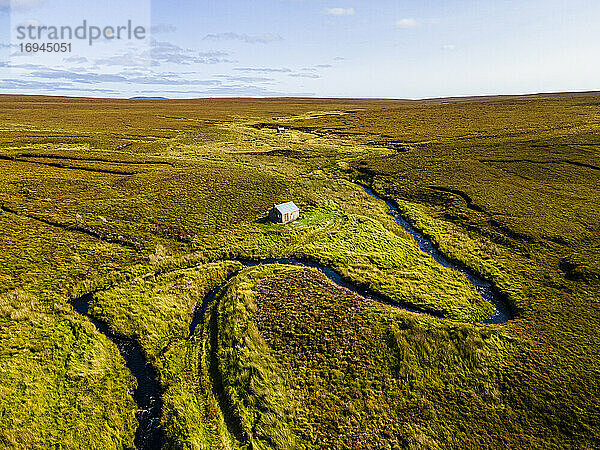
575 93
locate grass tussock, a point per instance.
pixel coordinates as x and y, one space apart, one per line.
156 310
250 384
355 373
98 194
62 384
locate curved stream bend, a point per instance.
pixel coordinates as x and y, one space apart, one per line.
502 311
148 394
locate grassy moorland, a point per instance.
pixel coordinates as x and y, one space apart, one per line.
145 202
311 365
511 188
61 381
156 310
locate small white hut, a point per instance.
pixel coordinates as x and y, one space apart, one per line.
284 213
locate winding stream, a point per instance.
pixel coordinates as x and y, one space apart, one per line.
502 312
148 394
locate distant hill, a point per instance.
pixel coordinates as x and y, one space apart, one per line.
540 95
149 98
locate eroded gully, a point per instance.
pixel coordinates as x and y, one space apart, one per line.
148 394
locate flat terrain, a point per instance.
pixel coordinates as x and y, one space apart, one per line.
156 207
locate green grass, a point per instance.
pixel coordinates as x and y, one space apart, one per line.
352 233
62 384
523 213
363 251
338 371
156 310
50 261
508 187
254 389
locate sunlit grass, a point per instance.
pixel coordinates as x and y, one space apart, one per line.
507 187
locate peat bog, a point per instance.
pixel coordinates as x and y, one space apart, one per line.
321 333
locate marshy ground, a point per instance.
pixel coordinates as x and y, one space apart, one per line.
150 204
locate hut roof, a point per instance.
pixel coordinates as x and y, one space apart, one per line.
286 208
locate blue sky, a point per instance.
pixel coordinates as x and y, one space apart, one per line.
382 49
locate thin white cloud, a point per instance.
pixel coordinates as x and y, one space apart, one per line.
214 54
340 11
238 91
449 47
304 75
407 23
76 59
78 77
236 79
164 52
130 59
20 5
262 69
82 77
34 86
163 28
249 39
167 52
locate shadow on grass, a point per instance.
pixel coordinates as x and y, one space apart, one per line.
148 393
232 420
